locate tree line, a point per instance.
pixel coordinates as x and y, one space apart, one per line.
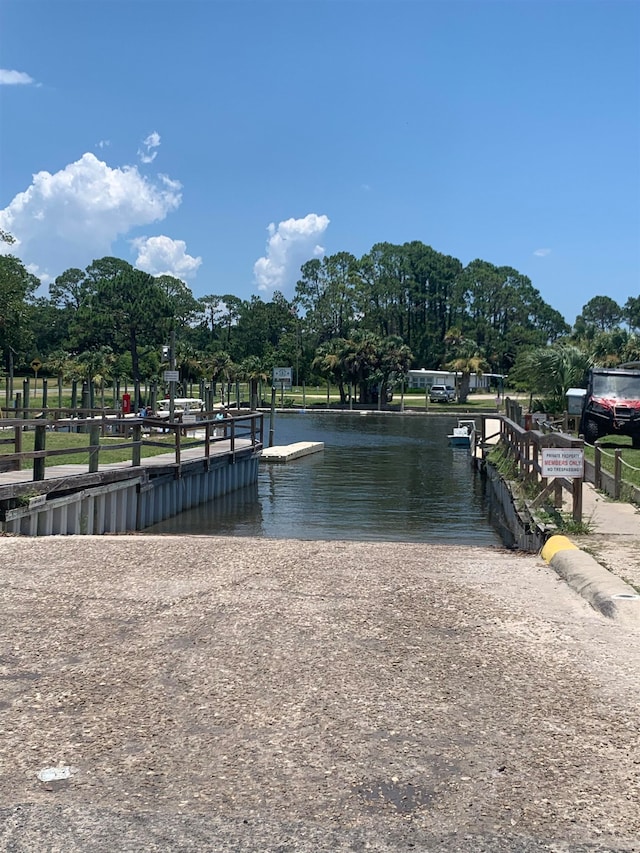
358 322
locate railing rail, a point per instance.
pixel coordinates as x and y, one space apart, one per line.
524 447
232 429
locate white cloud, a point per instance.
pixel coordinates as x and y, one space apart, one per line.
292 243
164 256
542 253
69 218
104 143
147 154
14 78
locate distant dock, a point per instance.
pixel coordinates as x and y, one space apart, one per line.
288 452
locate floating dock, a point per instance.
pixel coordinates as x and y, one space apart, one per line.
290 451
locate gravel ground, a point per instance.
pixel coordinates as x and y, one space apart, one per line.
224 694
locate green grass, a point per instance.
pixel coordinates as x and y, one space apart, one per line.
63 440
608 445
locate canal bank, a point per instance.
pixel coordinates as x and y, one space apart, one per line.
206 693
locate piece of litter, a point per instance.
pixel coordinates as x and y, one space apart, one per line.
54 774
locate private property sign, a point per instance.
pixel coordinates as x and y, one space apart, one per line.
562 462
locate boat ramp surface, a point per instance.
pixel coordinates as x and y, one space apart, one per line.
291 451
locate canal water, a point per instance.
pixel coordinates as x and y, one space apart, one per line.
380 477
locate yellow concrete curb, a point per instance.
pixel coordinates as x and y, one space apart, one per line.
555 544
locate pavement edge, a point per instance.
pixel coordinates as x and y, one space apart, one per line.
605 592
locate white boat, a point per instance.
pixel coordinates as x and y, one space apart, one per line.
184 406
463 434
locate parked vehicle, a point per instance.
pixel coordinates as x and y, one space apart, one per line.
442 394
612 403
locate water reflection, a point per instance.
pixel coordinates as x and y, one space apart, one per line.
380 477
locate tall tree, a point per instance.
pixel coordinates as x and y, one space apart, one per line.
603 312
325 293
127 308
632 313
17 287
184 307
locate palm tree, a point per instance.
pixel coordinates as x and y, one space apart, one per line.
553 370
395 361
95 366
467 359
58 362
361 360
251 371
328 362
218 367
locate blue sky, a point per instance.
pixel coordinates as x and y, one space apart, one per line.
228 142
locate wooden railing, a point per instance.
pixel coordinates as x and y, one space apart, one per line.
246 427
524 447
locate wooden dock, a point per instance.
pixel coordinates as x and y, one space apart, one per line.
120 497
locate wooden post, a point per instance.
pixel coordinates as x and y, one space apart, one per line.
233 439
25 395
577 499
39 444
136 449
597 465
94 447
617 473
17 444
272 416
207 441
177 438
557 493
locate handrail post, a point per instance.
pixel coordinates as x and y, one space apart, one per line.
135 449
233 436
617 473
176 430
17 444
577 499
597 467
207 440
557 493
94 447
39 444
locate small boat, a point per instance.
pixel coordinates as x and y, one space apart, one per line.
463 434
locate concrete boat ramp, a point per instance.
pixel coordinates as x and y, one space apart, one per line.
288 452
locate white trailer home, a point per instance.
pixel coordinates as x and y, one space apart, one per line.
423 379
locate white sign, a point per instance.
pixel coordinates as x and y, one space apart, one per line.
562 462
282 374
171 376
